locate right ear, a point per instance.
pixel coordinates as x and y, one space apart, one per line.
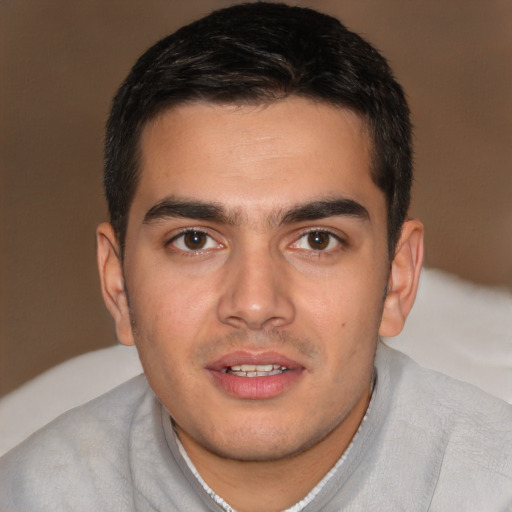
112 281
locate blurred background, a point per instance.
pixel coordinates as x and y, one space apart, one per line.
61 63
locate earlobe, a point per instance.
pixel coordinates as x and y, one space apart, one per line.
403 279
112 281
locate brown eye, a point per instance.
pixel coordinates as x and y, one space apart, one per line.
319 240
194 240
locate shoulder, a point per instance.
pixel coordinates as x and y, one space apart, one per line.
440 397
74 451
470 430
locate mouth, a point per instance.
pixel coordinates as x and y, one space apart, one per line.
255 376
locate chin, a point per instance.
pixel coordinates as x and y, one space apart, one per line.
264 444
256 453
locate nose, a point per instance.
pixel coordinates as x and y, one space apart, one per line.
256 294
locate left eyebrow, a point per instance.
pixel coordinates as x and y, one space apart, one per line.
326 208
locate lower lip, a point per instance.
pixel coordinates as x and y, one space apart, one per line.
256 388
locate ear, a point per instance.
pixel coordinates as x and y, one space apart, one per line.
112 281
403 279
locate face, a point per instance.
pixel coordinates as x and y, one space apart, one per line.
255 269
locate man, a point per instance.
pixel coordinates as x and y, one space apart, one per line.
258 173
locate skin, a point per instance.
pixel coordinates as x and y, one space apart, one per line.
287 262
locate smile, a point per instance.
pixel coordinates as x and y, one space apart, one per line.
255 370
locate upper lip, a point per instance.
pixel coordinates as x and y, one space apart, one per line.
258 358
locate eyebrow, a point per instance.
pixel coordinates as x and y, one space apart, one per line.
192 209
326 208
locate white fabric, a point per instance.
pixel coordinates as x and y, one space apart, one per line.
429 443
455 327
463 330
61 388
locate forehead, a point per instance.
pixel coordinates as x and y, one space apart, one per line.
264 157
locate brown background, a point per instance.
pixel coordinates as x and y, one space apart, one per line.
61 64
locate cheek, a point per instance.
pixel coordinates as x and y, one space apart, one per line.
166 331
342 299
171 302
345 311
172 316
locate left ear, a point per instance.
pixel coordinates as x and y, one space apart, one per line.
403 279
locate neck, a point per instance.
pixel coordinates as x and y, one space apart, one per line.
275 485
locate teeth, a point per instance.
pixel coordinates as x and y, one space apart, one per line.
255 370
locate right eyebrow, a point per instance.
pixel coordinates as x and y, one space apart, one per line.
190 209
